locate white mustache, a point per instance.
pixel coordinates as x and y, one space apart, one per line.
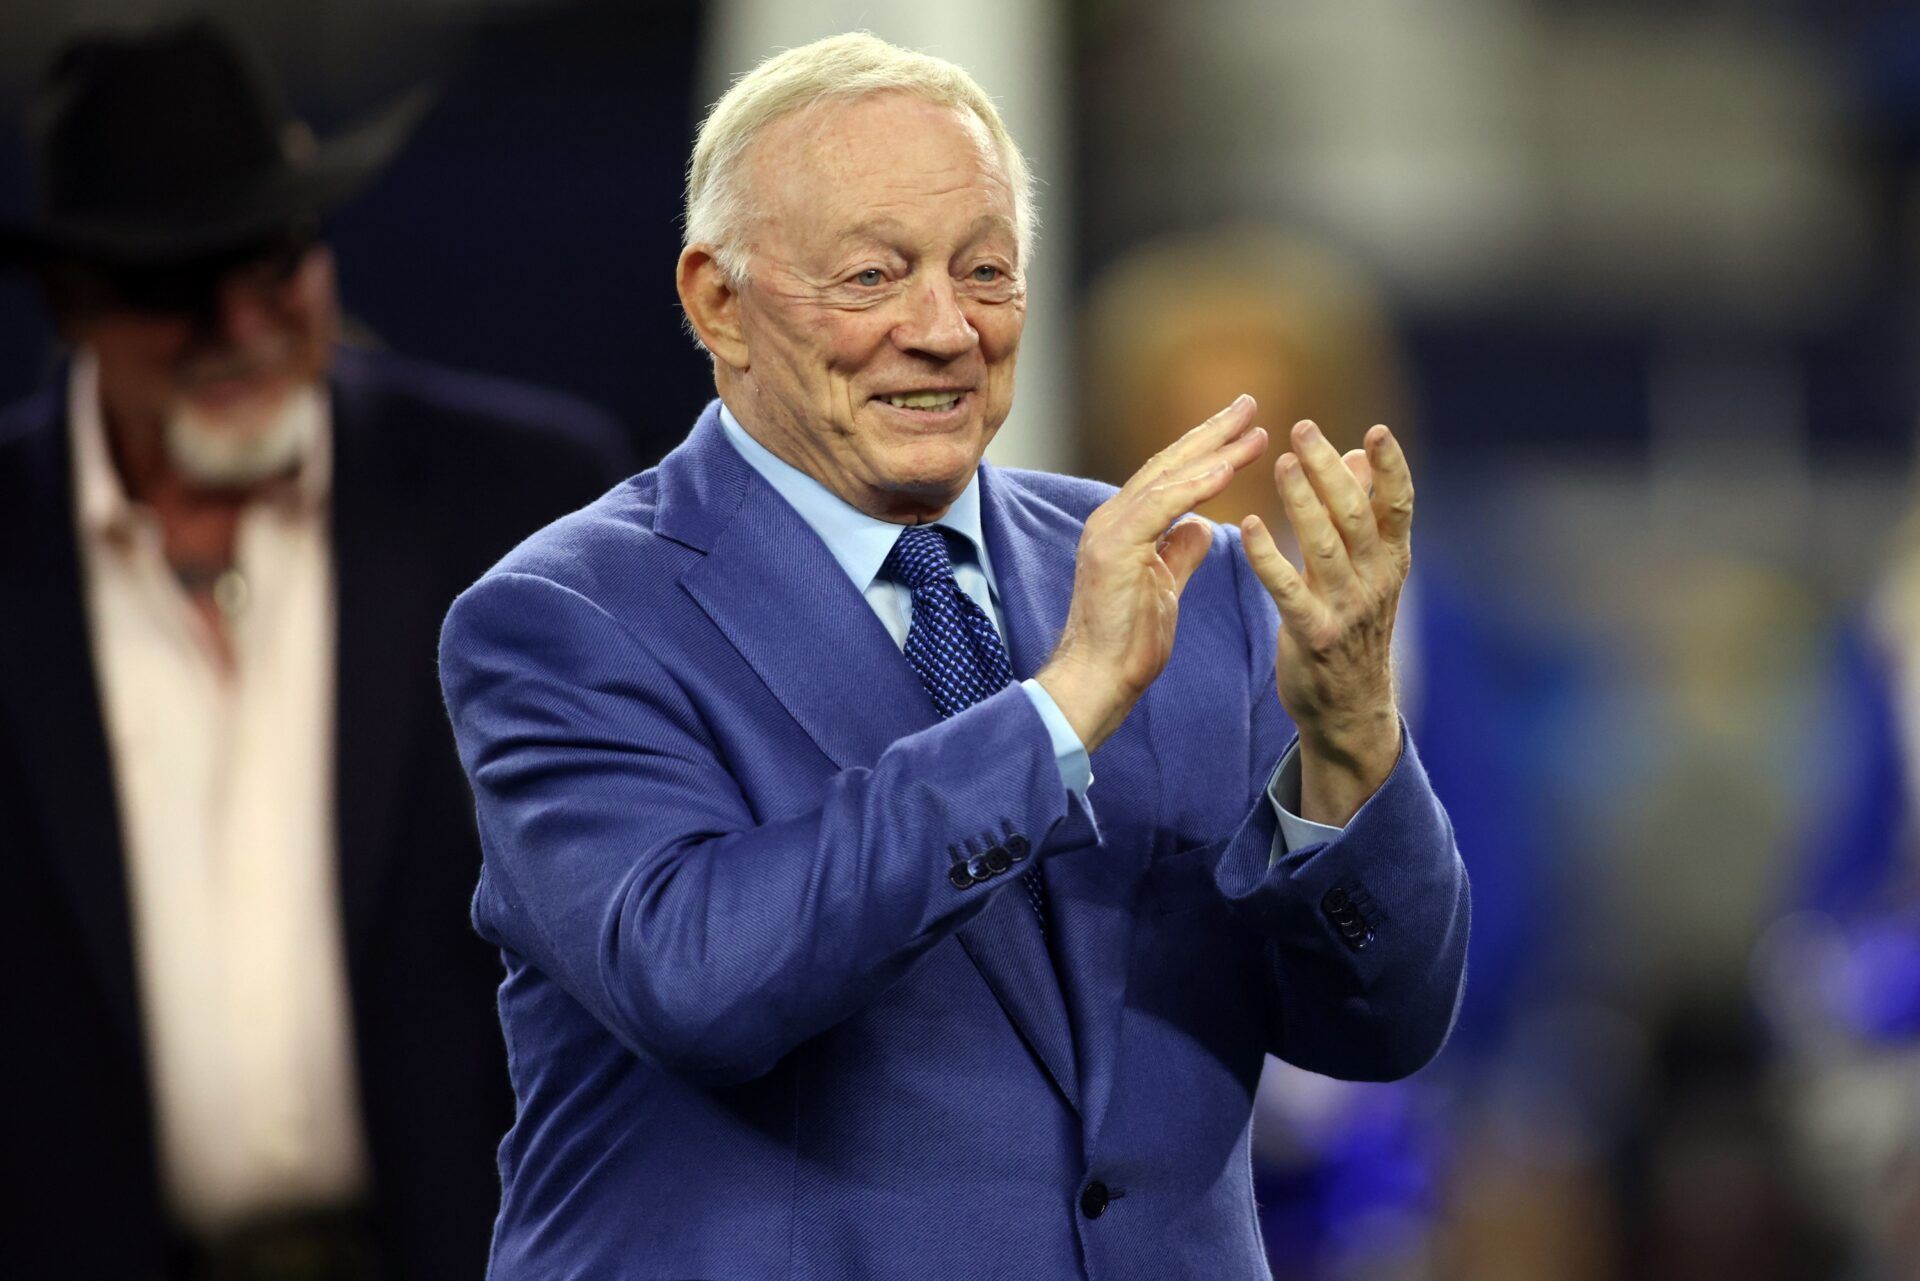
227 455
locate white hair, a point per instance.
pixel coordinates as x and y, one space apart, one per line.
719 206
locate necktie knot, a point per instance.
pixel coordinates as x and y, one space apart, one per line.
920 558
951 643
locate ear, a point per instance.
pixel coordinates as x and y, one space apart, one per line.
712 304
319 285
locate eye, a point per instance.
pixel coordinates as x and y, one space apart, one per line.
871 277
986 273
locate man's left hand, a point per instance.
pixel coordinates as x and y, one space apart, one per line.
1352 519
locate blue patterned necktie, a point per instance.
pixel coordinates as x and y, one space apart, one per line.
952 644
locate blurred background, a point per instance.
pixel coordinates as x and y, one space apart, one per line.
1637 283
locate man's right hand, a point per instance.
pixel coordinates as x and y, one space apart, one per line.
1134 560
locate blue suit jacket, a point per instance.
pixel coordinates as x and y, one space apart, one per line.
756 1029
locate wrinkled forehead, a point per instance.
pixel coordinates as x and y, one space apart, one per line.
836 167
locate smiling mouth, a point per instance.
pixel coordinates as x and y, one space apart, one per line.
925 401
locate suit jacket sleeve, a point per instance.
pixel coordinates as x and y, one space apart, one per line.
622 860
1373 1007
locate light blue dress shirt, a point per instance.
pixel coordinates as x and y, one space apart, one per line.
860 543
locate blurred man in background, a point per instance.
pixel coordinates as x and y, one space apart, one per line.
253 1034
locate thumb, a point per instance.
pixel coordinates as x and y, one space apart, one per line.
1183 547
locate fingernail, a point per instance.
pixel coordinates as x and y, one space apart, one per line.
1241 401
1312 432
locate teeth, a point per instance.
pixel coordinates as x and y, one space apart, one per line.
925 400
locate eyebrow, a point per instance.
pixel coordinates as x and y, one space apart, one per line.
875 229
888 230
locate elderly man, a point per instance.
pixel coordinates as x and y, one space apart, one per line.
250 1033
833 948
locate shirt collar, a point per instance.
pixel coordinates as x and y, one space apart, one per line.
858 541
101 497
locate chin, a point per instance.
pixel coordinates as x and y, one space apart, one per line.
933 467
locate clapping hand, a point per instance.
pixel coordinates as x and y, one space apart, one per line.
1351 518
1135 556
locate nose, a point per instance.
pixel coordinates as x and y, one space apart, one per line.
242 313
936 325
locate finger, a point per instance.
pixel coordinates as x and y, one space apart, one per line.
1392 486
1289 590
1356 461
1343 496
1321 549
1183 548
1234 454
1144 514
1223 427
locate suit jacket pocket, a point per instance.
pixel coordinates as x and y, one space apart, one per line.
1183 880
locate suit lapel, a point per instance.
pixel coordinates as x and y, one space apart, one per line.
387 620
777 594
49 698
1092 890
772 588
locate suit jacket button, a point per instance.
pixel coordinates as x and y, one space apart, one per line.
1017 847
959 876
1336 899
997 860
1093 1200
977 867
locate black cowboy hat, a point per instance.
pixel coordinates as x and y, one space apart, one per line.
171 145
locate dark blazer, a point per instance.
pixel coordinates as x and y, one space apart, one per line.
774 998
435 475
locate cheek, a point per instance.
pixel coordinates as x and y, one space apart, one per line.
141 350
999 329
849 342
812 344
